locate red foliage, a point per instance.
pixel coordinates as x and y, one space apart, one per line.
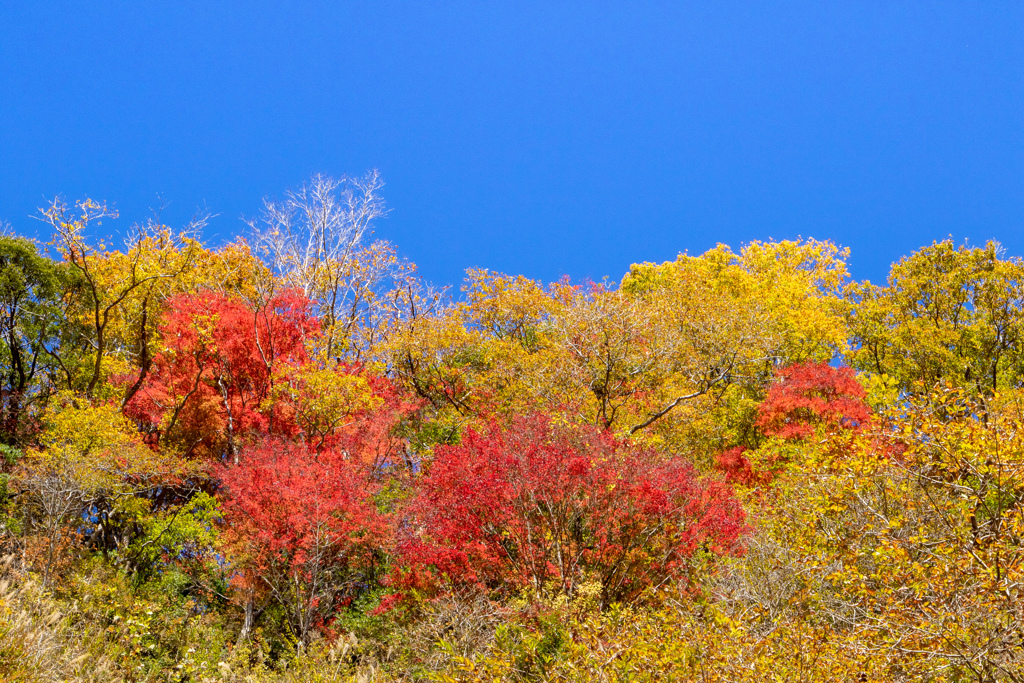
539 504
370 439
366 433
812 394
304 527
805 398
206 386
737 468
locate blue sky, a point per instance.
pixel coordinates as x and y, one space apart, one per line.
540 138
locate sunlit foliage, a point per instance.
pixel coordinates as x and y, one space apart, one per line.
297 460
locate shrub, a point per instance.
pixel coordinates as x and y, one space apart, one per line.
541 506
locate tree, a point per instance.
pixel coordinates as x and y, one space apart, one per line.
544 506
153 255
209 384
723 321
643 351
898 544
678 354
343 408
304 529
948 314
91 472
30 287
810 395
807 400
314 242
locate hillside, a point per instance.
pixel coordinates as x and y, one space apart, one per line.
289 458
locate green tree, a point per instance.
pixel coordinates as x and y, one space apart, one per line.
30 286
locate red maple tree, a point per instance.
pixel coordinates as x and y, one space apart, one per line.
808 395
542 505
303 527
207 385
805 399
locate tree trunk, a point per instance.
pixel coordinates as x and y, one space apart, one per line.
247 622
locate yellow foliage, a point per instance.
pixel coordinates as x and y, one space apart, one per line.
99 448
322 401
948 314
90 454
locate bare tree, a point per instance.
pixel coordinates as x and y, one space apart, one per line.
313 241
57 498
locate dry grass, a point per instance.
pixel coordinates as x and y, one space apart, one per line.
38 642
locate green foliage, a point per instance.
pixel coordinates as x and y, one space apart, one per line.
181 538
32 303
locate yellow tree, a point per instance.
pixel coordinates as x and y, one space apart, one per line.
948 313
153 256
490 354
901 543
710 329
652 357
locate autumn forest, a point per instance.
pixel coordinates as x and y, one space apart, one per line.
290 458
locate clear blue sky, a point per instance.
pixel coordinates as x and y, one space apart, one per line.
542 138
